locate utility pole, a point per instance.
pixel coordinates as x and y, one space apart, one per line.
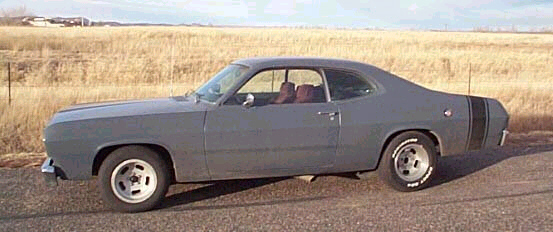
445 26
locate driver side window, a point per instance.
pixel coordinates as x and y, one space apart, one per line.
264 82
282 86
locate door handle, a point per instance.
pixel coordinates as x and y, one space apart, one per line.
328 113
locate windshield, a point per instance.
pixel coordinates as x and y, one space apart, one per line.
221 83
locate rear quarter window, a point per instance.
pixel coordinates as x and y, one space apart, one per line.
345 85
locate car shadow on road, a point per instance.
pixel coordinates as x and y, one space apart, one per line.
215 189
449 168
454 167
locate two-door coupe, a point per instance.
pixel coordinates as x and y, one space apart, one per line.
267 117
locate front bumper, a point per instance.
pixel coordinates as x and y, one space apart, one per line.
49 172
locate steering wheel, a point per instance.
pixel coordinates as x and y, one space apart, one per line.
234 100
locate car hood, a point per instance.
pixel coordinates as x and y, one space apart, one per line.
101 104
128 108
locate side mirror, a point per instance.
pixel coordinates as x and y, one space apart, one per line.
249 101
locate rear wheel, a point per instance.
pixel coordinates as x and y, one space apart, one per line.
133 179
409 162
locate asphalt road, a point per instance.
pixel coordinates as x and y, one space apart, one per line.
507 189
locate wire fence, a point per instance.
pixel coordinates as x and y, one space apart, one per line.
182 74
525 92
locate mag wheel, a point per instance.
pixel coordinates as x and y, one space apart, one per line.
409 162
133 179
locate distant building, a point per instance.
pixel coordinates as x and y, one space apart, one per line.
56 22
72 22
40 22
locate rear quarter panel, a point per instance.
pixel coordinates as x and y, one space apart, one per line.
366 123
397 105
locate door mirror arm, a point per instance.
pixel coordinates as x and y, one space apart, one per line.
249 101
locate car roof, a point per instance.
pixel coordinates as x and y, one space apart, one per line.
283 61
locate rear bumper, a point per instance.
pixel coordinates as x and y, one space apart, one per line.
503 137
49 172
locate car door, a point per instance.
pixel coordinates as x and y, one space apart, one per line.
271 139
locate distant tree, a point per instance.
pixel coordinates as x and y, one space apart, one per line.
12 17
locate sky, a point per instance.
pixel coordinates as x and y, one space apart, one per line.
383 14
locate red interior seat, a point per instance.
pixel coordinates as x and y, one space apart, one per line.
287 93
305 94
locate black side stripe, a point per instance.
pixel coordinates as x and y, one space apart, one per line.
478 122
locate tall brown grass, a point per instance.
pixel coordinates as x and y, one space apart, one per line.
53 68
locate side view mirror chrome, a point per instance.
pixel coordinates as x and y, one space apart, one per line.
249 100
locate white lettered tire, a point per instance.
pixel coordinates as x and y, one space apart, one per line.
133 179
408 162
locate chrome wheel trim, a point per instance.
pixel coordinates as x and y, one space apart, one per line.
412 162
133 181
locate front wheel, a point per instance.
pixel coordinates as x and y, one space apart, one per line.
133 179
409 162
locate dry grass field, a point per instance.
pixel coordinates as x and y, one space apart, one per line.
52 68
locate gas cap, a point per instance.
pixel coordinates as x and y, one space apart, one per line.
448 113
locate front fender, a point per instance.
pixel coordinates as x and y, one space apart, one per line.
138 141
102 151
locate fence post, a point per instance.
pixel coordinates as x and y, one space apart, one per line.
9 84
172 66
470 75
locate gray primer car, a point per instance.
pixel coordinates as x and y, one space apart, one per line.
366 119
